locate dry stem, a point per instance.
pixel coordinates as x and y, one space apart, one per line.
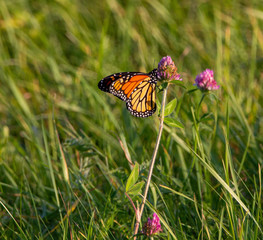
140 211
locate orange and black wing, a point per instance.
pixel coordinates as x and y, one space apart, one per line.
142 101
120 84
135 88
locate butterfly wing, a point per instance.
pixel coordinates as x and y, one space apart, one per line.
135 88
142 101
119 84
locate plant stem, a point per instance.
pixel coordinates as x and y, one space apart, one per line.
140 211
199 105
127 195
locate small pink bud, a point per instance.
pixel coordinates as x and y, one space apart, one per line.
167 69
152 226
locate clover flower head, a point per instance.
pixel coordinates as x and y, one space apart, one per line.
167 69
152 226
205 81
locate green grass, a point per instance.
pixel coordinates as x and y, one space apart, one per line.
63 170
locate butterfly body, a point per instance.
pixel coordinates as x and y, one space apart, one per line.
137 89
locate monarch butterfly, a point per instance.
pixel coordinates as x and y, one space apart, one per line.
137 89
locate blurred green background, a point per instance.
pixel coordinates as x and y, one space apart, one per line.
64 143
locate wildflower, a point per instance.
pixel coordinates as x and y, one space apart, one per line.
205 81
152 226
167 69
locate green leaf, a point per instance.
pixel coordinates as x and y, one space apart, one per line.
170 107
178 83
163 86
173 123
192 90
133 177
206 117
136 188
